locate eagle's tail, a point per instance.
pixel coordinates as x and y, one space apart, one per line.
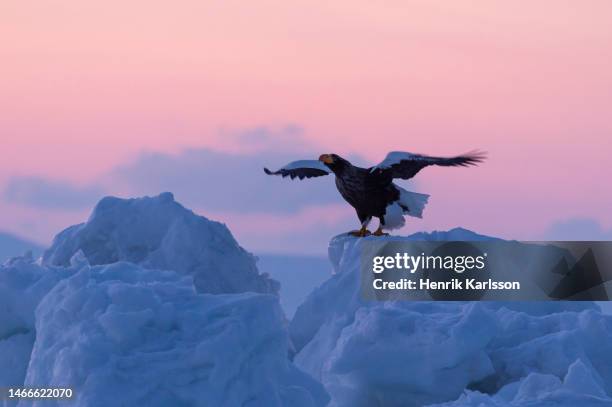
409 203
412 202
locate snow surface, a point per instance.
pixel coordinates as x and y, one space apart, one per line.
462 353
148 304
148 336
22 286
157 232
128 333
579 387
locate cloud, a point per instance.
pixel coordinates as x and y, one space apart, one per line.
266 213
199 177
219 181
289 137
578 229
50 194
222 181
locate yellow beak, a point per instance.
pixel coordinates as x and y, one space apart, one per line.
326 158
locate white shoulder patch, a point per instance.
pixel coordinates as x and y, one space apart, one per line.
395 157
314 164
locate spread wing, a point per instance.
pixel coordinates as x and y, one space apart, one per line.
301 169
404 165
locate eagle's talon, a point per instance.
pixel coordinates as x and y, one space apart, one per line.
363 232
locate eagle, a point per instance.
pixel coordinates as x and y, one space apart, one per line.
371 191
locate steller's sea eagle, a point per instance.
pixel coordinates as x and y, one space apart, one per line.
371 191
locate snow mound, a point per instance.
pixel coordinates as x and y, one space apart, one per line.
157 232
145 337
578 388
112 311
22 286
419 353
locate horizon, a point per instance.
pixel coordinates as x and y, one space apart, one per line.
24 244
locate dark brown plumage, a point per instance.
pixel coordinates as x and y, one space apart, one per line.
371 191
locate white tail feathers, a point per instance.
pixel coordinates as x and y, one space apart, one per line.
414 201
409 203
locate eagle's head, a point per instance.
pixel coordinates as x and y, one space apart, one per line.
334 162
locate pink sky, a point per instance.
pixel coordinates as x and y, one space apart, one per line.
88 85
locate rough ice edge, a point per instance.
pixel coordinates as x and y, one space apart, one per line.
335 335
